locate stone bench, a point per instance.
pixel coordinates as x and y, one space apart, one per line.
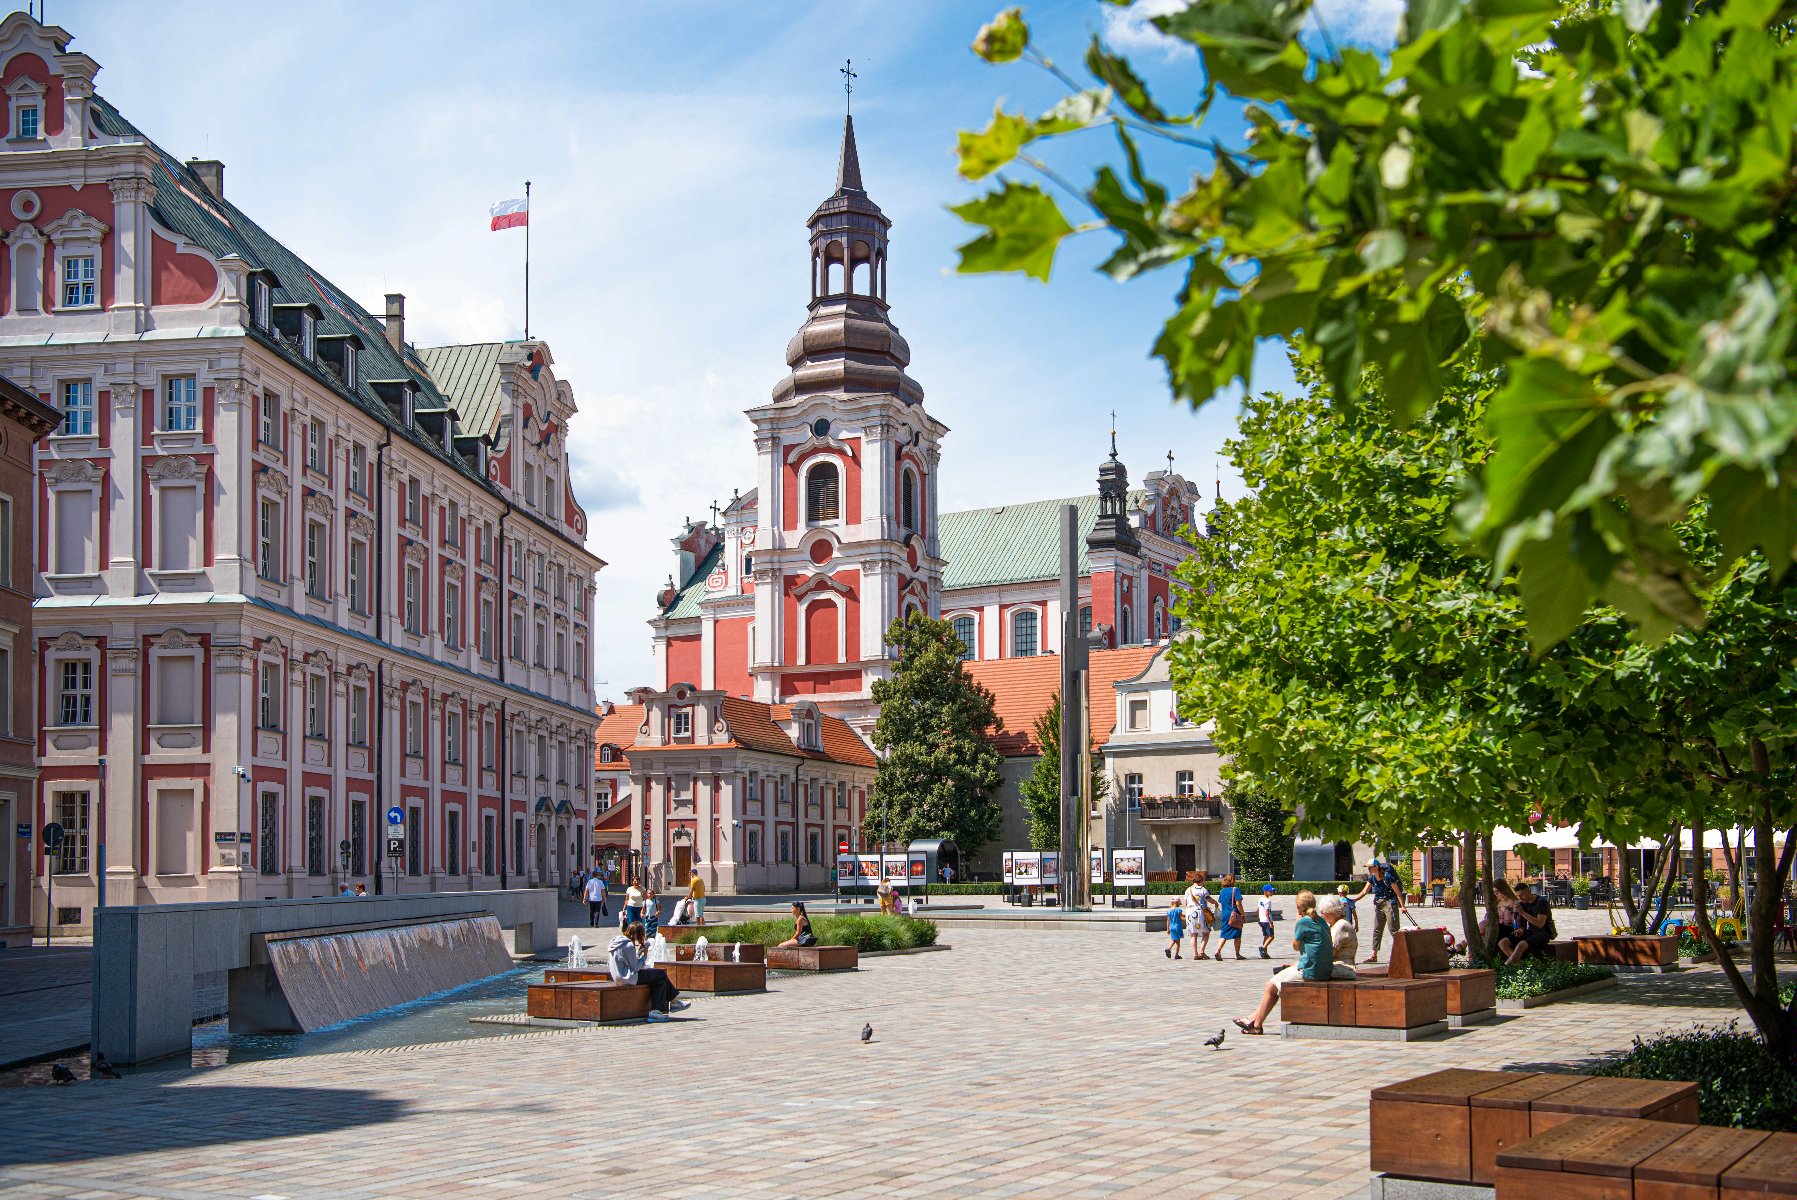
1396 1010
1629 951
718 978
1423 953
590 1001
741 952
1621 1158
813 958
1450 1126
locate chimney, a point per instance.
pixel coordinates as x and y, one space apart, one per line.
211 173
396 322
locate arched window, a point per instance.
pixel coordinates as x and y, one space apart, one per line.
964 629
1160 620
1085 620
908 499
1126 633
1023 633
822 643
823 493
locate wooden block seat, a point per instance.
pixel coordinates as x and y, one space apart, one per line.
744 952
1643 1099
813 958
1422 1128
1628 950
718 978
1423 953
1624 1158
593 1001
577 975
1406 1008
1565 951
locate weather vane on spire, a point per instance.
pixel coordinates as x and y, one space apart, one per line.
1113 433
847 71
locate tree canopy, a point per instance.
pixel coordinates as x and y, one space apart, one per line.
1041 790
938 769
1594 203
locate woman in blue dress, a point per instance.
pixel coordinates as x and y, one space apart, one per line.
1229 916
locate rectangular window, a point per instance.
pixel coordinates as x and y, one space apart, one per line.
28 123
177 527
542 756
415 726
1185 786
561 652
518 846
537 569
268 707
414 502
268 835
814 847
317 708
316 564
452 524
358 576
174 832
1138 714
358 837
752 846
541 651
358 469
358 714
530 484
268 540
315 445
263 297
315 859
180 404
489 833
580 659
352 376
486 747
783 842
518 634
5 543
80 281
413 597
72 810
486 627
452 736
486 542
414 841
580 598
75 695
78 407
452 838
5 691
452 616
308 337
1132 792
964 628
177 689
268 429
680 722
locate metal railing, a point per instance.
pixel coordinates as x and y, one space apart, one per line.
1180 808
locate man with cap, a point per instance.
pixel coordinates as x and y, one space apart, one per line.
1264 914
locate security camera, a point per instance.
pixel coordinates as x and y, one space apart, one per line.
242 773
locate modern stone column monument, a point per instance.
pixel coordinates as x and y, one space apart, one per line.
1076 878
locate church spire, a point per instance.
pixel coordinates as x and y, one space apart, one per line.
848 166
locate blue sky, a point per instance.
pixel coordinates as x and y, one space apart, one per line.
675 150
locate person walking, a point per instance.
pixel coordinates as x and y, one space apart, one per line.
1386 902
1316 961
1263 913
632 908
595 894
695 893
1176 926
1198 918
629 964
1229 917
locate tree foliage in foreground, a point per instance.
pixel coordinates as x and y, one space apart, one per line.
1596 205
938 768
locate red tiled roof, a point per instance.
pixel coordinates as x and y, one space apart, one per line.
1023 688
841 744
618 728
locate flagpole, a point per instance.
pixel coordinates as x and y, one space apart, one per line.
527 260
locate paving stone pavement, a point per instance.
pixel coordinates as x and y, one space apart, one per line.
1018 1063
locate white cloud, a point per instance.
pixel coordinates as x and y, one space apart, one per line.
1371 24
1127 30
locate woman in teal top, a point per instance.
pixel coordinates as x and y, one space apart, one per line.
1316 960
1229 915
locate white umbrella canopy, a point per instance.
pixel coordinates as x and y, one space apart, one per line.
1557 837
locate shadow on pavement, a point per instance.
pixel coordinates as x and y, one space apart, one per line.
104 1118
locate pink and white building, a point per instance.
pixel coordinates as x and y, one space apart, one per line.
293 571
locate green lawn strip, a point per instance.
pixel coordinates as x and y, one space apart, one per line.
869 932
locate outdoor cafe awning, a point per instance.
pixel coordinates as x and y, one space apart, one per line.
1567 837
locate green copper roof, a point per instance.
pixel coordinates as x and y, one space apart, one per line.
1013 543
469 376
692 590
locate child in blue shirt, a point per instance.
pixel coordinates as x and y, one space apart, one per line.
1176 928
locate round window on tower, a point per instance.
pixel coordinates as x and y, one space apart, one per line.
821 427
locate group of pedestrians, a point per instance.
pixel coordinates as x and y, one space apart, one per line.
1199 914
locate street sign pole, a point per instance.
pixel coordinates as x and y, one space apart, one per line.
53 835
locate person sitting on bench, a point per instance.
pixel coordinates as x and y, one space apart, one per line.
801 928
1344 942
629 965
1534 927
1316 961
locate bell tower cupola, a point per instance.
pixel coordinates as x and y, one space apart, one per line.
849 235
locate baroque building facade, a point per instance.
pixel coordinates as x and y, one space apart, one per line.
293 571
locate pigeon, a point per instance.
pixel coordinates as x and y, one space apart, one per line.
1216 1043
100 1067
867 1033
61 1074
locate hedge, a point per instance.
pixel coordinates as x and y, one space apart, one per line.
1282 887
1739 1082
870 931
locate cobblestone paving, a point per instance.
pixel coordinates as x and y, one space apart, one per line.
1018 1063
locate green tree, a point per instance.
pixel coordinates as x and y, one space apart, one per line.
1261 836
1595 204
938 768
1041 790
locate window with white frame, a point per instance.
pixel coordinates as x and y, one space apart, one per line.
1185 785
175 678
268 423
783 843
77 407
318 710
808 732
268 834
352 375
530 483
486 542
268 540
268 696
488 738
540 652
75 692
452 734
308 336
823 493
315 835
452 614
317 563
561 652
358 469
80 281
518 752
1132 793
414 501
517 558
414 597
358 714
452 524
357 575
680 722
580 597
580 659
1023 633
414 725
71 810
908 499
180 404
486 627
966 628
262 300
315 446
1160 620
542 756
752 846
537 570
518 633
26 123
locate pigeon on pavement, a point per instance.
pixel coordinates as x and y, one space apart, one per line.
61 1074
1216 1043
867 1033
102 1068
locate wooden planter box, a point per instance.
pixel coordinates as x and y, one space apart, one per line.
744 952
587 1001
1629 950
1470 989
1619 1158
1365 1004
717 977
577 975
813 958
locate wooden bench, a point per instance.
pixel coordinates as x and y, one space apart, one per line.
742 952
1630 951
1423 953
718 978
1399 1010
1449 1126
592 1001
813 958
1621 1158
1564 951
577 975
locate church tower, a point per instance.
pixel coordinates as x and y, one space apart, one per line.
845 516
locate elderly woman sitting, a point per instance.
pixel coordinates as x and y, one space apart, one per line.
1316 959
1343 938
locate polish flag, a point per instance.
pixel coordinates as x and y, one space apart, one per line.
509 214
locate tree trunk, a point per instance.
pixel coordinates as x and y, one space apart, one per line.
1777 1025
1731 858
1487 946
1469 881
1625 883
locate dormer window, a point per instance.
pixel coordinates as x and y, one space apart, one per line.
608 753
263 303
405 406
680 722
27 124
308 337
808 733
27 103
349 372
